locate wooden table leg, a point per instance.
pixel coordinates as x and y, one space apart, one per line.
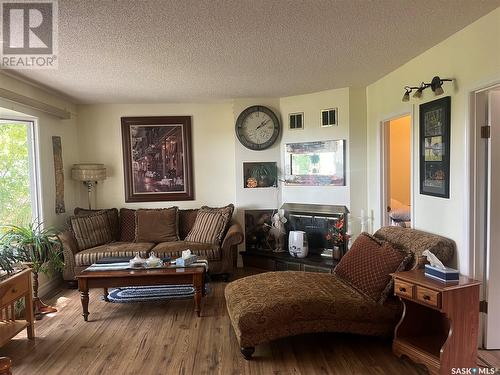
105 294
30 314
84 297
198 286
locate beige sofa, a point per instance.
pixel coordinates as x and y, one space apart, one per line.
222 258
271 305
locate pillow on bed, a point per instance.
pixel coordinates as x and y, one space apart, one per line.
401 214
368 264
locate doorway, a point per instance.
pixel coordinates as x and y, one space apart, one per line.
397 171
485 206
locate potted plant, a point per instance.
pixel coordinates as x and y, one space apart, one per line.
265 175
41 248
7 260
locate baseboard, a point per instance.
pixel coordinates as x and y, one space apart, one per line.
47 289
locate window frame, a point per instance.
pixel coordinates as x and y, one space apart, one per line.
33 161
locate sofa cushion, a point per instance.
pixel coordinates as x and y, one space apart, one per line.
210 225
227 211
127 225
114 249
156 225
186 221
417 241
174 250
277 304
91 230
368 264
111 214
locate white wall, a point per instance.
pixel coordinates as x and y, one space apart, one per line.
48 126
472 57
100 140
311 105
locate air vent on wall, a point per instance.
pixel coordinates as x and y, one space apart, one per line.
296 120
329 117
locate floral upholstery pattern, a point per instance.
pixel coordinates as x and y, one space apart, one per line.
270 305
417 241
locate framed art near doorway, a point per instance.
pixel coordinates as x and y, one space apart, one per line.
435 148
157 158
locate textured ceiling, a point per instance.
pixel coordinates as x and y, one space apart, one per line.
188 50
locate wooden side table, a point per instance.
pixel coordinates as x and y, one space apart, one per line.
440 322
12 289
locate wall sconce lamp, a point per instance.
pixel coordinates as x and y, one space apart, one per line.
89 174
436 86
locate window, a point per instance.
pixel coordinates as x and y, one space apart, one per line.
18 192
329 117
296 120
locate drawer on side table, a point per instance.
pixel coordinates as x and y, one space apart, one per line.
429 296
403 289
11 290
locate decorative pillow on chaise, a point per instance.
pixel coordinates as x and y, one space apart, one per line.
210 225
156 225
112 215
368 264
127 225
91 230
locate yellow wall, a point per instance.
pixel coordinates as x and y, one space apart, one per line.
212 129
399 160
472 58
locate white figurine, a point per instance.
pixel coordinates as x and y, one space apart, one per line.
278 231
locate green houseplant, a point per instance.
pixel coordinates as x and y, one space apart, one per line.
265 174
7 259
41 248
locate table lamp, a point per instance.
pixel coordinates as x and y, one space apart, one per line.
89 174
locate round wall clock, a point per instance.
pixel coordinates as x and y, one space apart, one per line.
257 128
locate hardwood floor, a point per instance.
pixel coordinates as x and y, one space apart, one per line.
168 338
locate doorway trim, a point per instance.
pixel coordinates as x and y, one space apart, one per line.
478 235
383 162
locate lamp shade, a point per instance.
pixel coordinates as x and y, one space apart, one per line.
88 172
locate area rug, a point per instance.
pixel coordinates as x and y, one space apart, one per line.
151 293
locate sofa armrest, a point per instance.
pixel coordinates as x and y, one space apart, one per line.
234 236
70 248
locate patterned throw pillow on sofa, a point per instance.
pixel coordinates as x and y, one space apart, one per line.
367 265
127 225
210 225
112 215
91 230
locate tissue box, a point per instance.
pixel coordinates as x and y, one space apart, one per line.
448 275
184 262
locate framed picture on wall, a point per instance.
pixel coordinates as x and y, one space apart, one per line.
435 148
157 158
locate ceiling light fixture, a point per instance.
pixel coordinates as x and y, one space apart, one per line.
436 86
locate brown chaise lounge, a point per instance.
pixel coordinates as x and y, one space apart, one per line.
271 305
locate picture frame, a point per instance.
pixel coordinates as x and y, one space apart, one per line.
435 128
157 158
258 175
319 163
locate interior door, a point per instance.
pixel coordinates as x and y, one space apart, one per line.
492 333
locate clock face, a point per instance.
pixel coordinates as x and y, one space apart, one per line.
257 127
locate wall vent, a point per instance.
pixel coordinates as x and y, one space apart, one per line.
329 117
296 120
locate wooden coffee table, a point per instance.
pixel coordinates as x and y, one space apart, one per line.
141 277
